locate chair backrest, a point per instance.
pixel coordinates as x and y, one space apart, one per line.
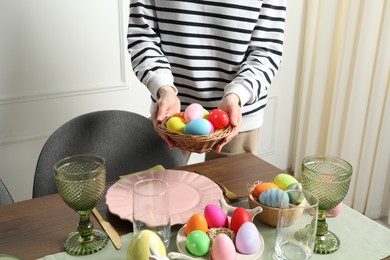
5 196
126 140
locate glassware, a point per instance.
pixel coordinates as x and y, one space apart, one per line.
81 181
328 178
151 208
297 226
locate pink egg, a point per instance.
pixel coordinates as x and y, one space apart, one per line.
247 239
193 111
215 216
212 128
223 248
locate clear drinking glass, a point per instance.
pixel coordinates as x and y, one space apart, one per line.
151 208
296 227
329 178
81 181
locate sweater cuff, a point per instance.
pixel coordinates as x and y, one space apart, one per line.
241 91
159 80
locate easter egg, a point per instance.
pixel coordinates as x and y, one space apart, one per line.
193 111
260 188
239 217
196 222
198 243
176 124
273 197
212 129
198 126
296 197
180 114
206 114
138 248
218 118
283 180
215 216
247 239
223 248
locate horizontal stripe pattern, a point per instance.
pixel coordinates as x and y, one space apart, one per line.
207 46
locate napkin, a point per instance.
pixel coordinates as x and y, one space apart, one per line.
155 168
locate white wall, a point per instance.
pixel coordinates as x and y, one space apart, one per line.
60 59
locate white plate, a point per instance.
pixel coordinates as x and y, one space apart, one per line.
181 245
189 193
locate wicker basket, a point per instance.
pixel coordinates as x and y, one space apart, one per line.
195 143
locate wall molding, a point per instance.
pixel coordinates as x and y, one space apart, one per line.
23 137
88 89
271 149
122 86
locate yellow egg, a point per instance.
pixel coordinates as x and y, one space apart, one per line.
283 180
176 124
139 247
206 114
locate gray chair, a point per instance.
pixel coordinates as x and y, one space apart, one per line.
5 196
126 140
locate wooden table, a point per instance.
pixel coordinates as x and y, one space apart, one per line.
37 227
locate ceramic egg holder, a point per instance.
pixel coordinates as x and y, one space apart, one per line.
229 209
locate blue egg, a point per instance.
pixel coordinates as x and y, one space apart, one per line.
198 126
273 197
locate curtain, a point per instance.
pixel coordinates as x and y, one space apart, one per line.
344 96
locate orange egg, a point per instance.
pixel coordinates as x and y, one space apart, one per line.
263 187
196 222
180 114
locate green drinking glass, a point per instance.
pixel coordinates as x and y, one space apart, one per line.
81 181
328 178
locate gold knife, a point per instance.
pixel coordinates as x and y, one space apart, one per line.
111 232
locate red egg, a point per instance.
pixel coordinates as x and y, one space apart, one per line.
239 217
219 118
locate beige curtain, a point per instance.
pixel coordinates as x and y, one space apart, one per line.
344 95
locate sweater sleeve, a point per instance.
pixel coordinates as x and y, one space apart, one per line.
263 56
144 45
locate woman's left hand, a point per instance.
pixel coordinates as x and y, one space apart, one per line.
231 105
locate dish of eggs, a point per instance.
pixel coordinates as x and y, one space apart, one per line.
269 194
215 235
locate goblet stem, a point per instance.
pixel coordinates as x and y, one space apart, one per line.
326 241
86 240
322 226
85 227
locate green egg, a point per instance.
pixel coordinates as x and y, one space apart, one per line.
198 243
295 197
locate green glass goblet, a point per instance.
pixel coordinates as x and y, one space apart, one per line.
81 181
328 178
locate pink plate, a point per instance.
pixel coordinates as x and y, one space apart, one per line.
189 193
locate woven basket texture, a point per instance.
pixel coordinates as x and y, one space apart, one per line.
195 143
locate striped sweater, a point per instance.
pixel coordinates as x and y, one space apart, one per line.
207 49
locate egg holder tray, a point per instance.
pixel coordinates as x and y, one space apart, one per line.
195 143
228 209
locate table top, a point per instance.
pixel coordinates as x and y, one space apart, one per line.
35 228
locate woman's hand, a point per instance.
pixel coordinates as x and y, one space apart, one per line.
231 105
167 104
